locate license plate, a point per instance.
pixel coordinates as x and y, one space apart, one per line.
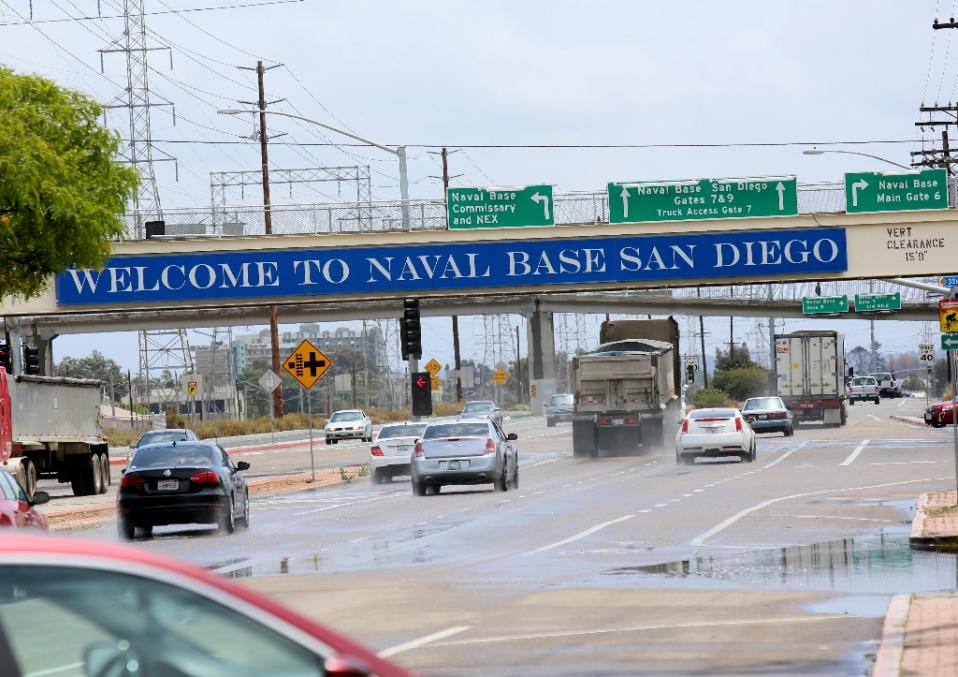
167 485
763 416
618 421
454 465
713 431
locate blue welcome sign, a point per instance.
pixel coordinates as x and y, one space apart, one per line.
440 267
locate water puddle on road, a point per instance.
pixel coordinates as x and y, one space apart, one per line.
877 564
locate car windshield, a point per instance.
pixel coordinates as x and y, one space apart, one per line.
763 403
882 377
159 436
445 430
863 381
699 414
478 407
170 456
341 416
562 399
409 430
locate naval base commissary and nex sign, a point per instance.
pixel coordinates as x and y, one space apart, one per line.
378 271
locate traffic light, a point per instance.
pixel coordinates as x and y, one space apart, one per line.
31 360
690 373
410 330
421 393
5 361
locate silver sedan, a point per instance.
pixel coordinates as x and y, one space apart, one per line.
468 451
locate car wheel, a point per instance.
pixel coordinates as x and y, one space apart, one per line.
789 431
30 474
145 532
434 489
877 400
515 477
418 488
227 521
851 402
244 520
328 441
502 482
754 454
550 423
94 474
124 529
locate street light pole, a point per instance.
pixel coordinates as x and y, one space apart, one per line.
816 151
398 151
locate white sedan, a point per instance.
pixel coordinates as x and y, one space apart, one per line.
392 450
713 433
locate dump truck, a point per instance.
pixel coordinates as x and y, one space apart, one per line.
51 427
810 375
625 390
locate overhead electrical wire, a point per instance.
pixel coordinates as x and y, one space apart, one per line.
188 10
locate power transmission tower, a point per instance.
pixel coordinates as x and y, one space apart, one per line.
163 349
937 157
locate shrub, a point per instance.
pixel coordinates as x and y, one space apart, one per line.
710 397
743 382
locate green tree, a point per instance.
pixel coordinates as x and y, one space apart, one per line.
62 191
737 358
96 366
709 397
743 382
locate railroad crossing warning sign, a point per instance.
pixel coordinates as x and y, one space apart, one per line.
500 376
192 384
433 367
533 390
948 316
307 364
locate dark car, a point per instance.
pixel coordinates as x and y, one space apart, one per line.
559 408
182 483
16 510
166 435
768 414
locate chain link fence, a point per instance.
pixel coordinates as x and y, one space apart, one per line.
365 217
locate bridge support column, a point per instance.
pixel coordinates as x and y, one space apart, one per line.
12 327
540 333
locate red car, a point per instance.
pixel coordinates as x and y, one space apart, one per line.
16 510
940 414
93 608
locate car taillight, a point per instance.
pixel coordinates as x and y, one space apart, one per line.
205 477
605 421
490 446
419 450
376 451
132 481
685 426
738 424
778 414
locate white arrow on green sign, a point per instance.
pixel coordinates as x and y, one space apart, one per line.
896 192
824 305
469 208
698 199
949 341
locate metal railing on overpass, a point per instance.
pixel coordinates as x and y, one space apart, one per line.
359 217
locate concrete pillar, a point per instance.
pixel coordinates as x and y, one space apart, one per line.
12 326
540 333
44 341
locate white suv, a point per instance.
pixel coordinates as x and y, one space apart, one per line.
349 424
863 388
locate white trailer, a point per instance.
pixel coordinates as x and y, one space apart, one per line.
810 375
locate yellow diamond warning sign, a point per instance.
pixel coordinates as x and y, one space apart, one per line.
948 316
433 367
307 364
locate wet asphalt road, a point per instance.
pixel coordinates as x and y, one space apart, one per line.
613 566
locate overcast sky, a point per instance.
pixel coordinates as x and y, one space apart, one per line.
501 72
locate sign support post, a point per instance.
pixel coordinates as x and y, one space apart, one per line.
309 417
953 357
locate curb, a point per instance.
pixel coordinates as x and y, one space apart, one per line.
914 420
888 658
918 523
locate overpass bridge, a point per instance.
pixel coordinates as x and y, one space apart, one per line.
353 261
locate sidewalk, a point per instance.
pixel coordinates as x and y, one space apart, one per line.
920 634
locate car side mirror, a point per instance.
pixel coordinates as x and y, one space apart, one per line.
122 471
40 497
242 465
132 446
512 437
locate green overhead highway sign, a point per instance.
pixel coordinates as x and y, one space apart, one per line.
876 303
824 305
639 201
499 207
896 192
949 341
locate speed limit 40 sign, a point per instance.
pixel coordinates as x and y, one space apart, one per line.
926 352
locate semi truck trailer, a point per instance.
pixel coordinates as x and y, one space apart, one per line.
625 390
810 375
51 427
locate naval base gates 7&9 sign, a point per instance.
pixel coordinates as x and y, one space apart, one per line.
504 265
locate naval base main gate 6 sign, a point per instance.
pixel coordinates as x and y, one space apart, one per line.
268 274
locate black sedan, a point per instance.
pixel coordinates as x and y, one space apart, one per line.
182 483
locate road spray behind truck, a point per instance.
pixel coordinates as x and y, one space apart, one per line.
810 375
625 390
51 427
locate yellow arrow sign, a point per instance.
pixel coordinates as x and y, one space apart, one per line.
433 367
307 364
192 387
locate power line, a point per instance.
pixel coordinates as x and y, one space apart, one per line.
189 10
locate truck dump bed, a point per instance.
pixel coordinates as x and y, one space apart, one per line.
623 376
48 409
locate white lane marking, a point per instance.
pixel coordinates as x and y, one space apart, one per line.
661 505
872 416
422 641
852 456
580 535
334 506
722 526
52 671
836 517
636 628
686 495
674 500
645 510
698 491
901 403
908 463
536 465
784 456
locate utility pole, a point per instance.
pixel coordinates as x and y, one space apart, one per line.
268 222
455 318
518 367
705 364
